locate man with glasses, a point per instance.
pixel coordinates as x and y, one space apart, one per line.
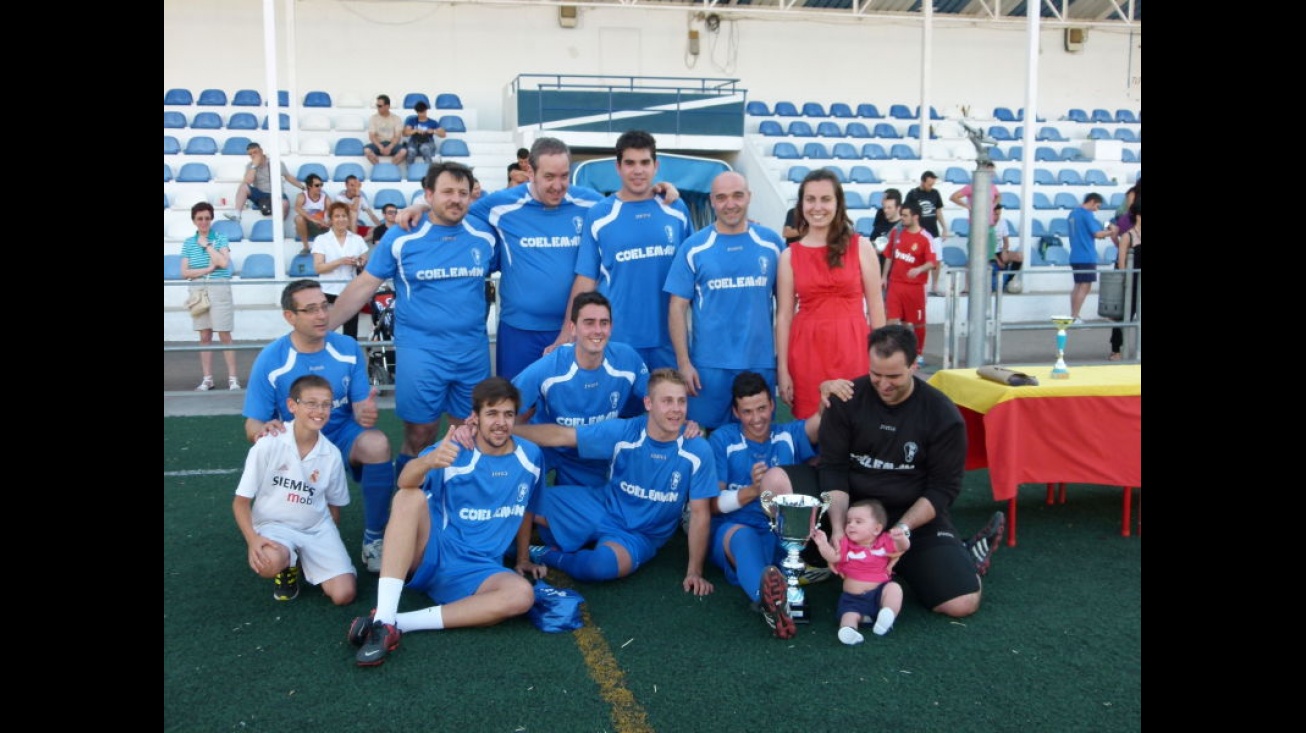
385 133
257 186
310 211
312 348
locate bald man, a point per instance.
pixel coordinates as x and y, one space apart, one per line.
727 271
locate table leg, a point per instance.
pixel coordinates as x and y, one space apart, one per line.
1124 529
1011 522
1052 494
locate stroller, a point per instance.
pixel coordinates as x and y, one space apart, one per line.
381 359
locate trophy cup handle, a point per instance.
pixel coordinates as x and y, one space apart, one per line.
825 506
767 500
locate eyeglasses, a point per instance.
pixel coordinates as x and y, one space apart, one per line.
314 405
315 309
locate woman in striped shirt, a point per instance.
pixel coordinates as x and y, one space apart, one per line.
206 261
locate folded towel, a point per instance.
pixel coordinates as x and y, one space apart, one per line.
1009 377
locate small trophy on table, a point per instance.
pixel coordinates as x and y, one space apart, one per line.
1059 370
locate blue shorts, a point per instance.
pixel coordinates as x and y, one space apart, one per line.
376 149
867 604
343 438
1085 272
516 349
428 385
258 196
446 576
711 408
578 518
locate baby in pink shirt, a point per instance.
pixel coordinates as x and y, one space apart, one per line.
865 558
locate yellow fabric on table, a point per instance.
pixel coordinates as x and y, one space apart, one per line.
968 389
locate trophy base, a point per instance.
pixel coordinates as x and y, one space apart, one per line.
799 614
1060 375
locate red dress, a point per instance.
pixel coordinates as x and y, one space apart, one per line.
827 339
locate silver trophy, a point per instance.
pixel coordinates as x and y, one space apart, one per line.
793 518
1059 370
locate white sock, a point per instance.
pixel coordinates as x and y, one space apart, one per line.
427 619
387 599
849 635
884 621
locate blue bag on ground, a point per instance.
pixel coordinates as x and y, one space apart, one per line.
556 609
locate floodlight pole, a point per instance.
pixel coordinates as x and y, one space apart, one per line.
977 271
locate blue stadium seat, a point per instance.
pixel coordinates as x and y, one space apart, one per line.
171 146
868 111
902 151
235 145
845 151
854 200
261 231
813 109
1096 177
389 196
229 228
996 154
283 98
206 121
961 226
1036 228
167 173
247 98
815 150
934 113
1077 115
757 108
178 96
201 145
1116 201
1019 132
770 128
1059 227
1011 177
344 170
386 173
1071 153
1047 132
453 123
1047 154
1069 177
1065 200
212 98
1128 156
417 171
886 130
839 173
839 109
317 98
914 131
349 146
857 130
1042 202
1099 133
242 121
828 129
800 128
1101 115
874 151
1044 177
1058 256
786 109
448 100
877 199
956 175
901 112
283 117
453 148
258 266
308 168
1016 152
1126 135
194 172
863 174
1004 114
797 173
1000 133
954 256
412 98
1126 115
172 267
865 225
172 119
786 150
1009 200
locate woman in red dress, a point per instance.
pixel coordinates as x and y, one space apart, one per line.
828 297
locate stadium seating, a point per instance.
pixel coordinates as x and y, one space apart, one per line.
1071 153
902 151
201 145
453 123
178 97
261 231
863 174
315 123
1042 202
206 121
230 229
961 226
453 148
1004 114
1069 177
417 171
412 98
1058 256
785 150
235 145
877 199
874 151
839 173
1011 177
1046 154
996 154
934 113
171 146
344 170
845 151
349 146
813 109
172 267
954 256
1099 133
853 200
800 128
786 109
956 175
389 196
1129 156
757 108
1000 133
886 130
797 173
384 172
1101 115
865 225
247 98
1096 177
1126 116
869 111
815 150
306 168
770 128
242 121
212 98
840 109
167 173
282 117
317 98
1124 134
173 120
901 112
828 129
1010 200
258 266
1065 200
1050 133
194 172
857 130
1077 115
448 100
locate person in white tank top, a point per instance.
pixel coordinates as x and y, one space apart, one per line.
310 212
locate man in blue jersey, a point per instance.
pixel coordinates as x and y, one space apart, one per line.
727 272
743 544
626 250
537 228
312 347
581 384
608 530
439 268
455 515
1085 229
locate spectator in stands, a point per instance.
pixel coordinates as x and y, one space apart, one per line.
789 231
727 272
836 276
627 245
1132 240
440 332
354 197
1085 229
520 171
284 528
1008 258
257 186
476 190
311 348
339 255
310 210
887 218
1123 219
1000 258
932 219
388 213
907 258
421 132
385 131
206 261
